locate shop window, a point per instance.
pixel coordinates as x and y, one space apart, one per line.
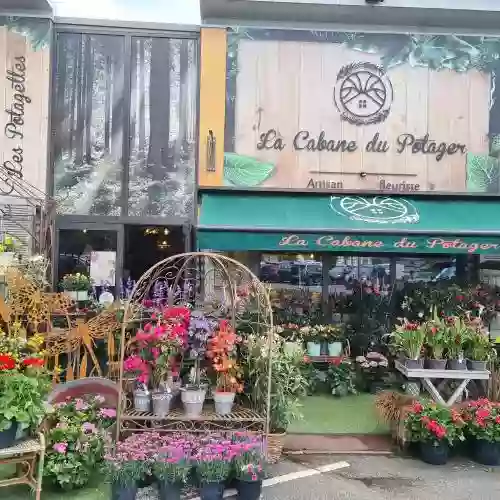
88 123
162 127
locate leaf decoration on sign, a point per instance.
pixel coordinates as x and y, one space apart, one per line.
240 170
495 146
483 173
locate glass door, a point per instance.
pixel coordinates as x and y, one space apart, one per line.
95 250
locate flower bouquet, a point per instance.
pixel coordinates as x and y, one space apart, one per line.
435 429
76 285
408 339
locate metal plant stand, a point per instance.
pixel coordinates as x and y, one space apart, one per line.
427 377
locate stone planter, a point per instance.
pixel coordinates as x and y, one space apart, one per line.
314 349
436 364
142 400
478 366
335 349
457 364
223 402
162 402
192 399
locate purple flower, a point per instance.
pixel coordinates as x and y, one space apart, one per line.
60 447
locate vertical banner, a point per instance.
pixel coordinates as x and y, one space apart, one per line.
24 99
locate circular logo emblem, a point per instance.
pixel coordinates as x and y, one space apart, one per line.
378 210
363 93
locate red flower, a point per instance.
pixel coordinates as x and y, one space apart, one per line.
460 297
7 362
497 420
33 362
483 413
417 407
336 361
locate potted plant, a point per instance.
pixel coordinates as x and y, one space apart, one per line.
436 339
172 466
483 425
313 338
480 351
334 337
221 351
76 286
24 385
200 330
249 465
142 371
459 333
435 429
372 369
288 384
213 463
125 466
340 378
292 337
408 339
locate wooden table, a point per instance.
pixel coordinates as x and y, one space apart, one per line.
427 377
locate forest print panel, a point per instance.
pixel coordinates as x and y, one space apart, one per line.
89 107
162 127
107 133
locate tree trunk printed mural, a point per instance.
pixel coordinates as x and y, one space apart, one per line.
88 131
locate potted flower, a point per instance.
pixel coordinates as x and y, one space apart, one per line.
213 463
76 286
480 351
292 337
372 369
24 385
200 331
125 466
172 466
459 333
249 465
221 350
334 337
483 425
340 378
142 371
435 429
313 337
408 339
436 339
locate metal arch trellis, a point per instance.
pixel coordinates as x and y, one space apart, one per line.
221 287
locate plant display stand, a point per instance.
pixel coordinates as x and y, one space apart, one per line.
215 287
28 456
428 376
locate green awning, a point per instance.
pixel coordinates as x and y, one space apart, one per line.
236 221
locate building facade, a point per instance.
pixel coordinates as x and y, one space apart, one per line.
332 153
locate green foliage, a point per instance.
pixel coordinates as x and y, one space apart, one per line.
408 338
483 173
22 399
340 379
242 170
480 348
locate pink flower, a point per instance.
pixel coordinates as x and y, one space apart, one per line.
60 447
81 405
89 428
107 413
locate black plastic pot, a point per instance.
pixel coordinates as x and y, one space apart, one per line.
477 365
486 452
249 490
457 364
211 491
169 491
436 364
414 364
122 492
8 437
433 454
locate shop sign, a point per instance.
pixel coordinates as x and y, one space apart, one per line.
315 110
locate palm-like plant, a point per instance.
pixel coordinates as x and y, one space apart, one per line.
408 338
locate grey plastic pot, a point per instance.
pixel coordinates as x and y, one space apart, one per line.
414 363
142 400
223 402
436 364
478 366
457 364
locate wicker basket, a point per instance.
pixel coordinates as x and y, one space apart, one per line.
275 443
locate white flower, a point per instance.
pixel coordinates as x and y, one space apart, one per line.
420 314
360 359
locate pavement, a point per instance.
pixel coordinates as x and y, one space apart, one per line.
344 477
